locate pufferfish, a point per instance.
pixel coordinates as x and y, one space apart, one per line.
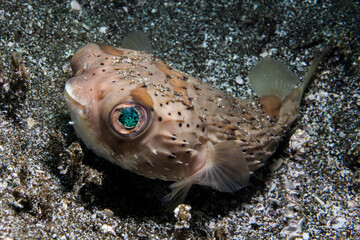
138 112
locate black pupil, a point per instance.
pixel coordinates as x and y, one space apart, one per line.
129 117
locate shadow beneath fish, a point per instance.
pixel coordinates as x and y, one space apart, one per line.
130 195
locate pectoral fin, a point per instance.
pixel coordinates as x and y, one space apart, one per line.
225 170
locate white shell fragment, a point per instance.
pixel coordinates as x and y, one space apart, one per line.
107 229
75 6
183 216
298 141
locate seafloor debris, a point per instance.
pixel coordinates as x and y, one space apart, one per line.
18 63
183 216
107 229
14 86
74 174
298 141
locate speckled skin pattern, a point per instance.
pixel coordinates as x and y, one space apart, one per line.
188 117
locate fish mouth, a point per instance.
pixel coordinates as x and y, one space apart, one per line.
71 101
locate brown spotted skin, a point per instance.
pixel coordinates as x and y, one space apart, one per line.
185 114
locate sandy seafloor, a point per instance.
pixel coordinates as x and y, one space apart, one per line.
52 186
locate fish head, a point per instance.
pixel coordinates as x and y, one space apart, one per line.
108 115
129 116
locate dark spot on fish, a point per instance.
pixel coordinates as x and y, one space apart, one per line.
185 88
144 86
169 114
203 129
168 76
93 74
90 89
170 68
103 70
161 104
160 119
122 89
179 113
173 137
113 81
167 103
106 58
225 121
243 140
196 87
188 125
102 64
156 94
150 73
189 151
238 123
180 124
197 125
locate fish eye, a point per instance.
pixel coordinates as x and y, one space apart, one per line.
129 119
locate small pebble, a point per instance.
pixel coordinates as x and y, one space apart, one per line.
107 229
183 216
75 6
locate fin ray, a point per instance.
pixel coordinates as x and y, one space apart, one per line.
226 169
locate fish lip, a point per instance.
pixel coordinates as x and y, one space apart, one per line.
72 103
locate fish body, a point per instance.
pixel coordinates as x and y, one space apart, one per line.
136 111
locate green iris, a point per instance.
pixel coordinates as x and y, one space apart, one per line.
129 117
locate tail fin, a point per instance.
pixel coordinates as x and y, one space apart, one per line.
274 83
291 103
271 77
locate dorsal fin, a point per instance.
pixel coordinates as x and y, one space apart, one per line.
137 41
